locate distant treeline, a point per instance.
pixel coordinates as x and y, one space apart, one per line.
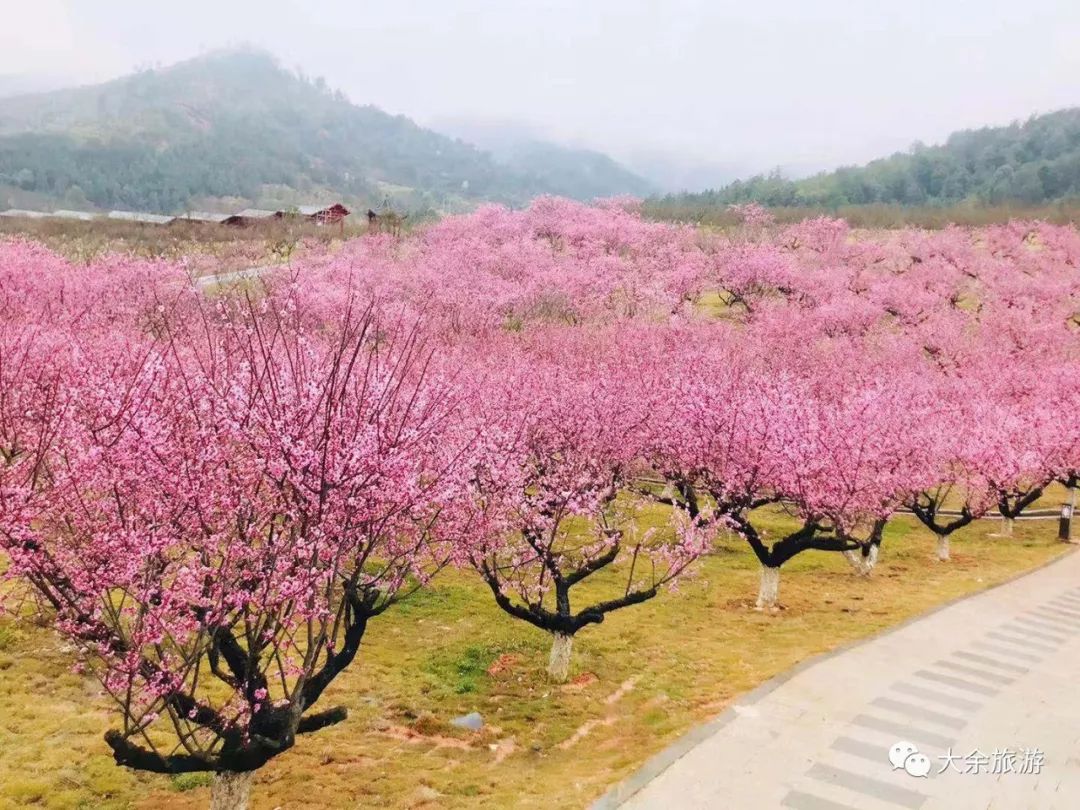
235 124
1033 162
877 215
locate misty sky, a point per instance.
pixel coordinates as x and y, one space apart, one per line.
799 83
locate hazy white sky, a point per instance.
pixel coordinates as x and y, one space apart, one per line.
802 83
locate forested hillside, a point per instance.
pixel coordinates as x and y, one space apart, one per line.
1035 161
237 125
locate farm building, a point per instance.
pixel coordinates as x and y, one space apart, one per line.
249 216
324 214
82 216
135 216
387 220
21 213
202 217
334 213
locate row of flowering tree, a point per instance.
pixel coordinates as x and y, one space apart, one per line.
213 497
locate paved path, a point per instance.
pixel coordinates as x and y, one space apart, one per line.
236 275
996 671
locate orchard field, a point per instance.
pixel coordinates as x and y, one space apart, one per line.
638 682
588 475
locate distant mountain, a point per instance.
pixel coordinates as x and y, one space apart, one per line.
577 172
1034 161
235 124
673 173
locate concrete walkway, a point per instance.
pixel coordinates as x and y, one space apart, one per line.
202 282
992 680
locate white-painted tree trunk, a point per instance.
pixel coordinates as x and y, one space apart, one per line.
862 565
1072 513
943 547
231 790
769 590
1007 527
559 662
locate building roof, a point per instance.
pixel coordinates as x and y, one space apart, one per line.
20 212
135 216
312 210
257 213
85 216
203 216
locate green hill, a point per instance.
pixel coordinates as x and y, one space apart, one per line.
522 148
237 125
1035 161
588 173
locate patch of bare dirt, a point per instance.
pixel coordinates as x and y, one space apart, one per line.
503 749
584 729
582 681
624 688
503 666
414 737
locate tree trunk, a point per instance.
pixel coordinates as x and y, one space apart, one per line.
943 547
769 590
1007 526
231 790
559 663
1065 532
863 565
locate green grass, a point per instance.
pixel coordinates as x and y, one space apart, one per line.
639 680
190 781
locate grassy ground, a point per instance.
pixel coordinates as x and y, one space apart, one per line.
206 248
639 680
213 248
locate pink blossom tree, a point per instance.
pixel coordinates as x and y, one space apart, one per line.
214 513
951 497
827 430
562 416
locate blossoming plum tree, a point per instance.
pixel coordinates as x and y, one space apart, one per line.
214 513
829 430
562 415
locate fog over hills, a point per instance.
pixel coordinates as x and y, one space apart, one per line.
16 84
234 128
1032 161
236 125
